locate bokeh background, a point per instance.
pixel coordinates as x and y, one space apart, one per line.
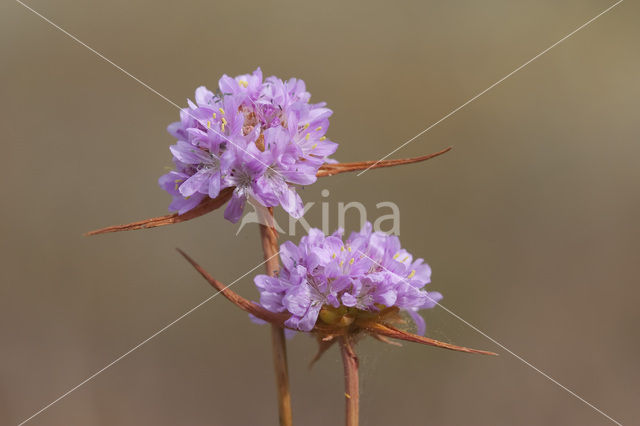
530 223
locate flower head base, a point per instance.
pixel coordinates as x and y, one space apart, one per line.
368 276
260 137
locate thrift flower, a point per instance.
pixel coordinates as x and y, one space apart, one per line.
326 279
334 298
261 137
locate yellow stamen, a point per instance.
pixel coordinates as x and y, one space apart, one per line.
314 146
333 256
323 138
351 261
405 258
342 248
413 272
349 248
395 256
307 136
222 127
221 110
306 126
224 121
318 128
214 115
341 262
243 83
208 124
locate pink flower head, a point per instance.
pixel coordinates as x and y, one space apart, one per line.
366 273
261 137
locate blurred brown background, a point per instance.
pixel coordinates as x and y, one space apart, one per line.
530 223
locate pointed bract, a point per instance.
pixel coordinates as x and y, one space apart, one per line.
199 204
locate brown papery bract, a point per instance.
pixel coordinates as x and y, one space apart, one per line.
334 169
206 206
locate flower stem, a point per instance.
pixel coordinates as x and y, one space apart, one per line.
279 347
351 385
269 237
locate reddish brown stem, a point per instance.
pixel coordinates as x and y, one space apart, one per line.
269 237
351 383
280 365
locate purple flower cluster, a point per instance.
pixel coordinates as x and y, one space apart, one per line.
367 272
260 137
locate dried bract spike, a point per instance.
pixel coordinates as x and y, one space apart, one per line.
244 304
203 208
323 345
388 331
334 169
208 205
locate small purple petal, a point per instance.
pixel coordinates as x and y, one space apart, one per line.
234 209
